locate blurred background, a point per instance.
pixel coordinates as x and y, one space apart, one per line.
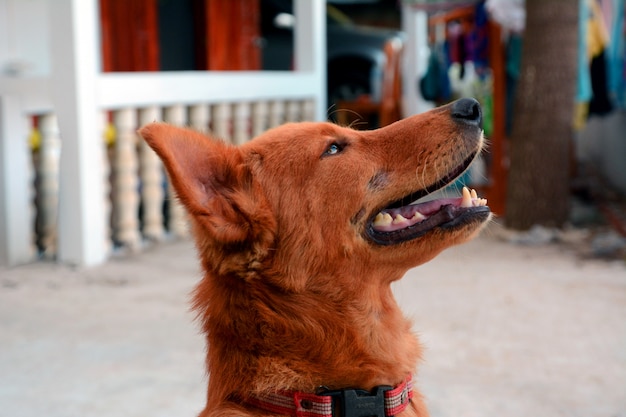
93 246
550 78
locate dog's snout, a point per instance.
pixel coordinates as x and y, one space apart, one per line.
467 110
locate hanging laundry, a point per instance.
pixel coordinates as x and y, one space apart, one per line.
600 103
479 38
435 85
616 58
510 14
592 90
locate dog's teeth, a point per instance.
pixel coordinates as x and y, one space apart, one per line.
479 202
382 219
470 198
399 219
467 198
418 216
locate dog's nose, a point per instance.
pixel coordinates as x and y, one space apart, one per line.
467 110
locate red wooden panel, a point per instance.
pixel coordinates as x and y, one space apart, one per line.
130 37
228 35
497 193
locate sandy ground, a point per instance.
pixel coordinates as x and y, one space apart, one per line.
508 331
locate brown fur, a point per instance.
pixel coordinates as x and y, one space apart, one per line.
294 295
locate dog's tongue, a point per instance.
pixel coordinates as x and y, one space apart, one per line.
390 220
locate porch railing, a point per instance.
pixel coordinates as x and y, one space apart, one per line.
87 200
140 206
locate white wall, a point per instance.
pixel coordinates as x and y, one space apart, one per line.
416 52
24 37
602 143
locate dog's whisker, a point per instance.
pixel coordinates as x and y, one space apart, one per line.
359 119
330 111
424 167
357 123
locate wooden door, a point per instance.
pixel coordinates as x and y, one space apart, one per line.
226 34
130 37
229 34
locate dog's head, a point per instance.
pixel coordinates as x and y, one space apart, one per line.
310 200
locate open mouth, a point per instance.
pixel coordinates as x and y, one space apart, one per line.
406 219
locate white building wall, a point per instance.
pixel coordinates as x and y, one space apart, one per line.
602 145
24 38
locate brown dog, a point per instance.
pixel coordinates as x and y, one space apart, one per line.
300 233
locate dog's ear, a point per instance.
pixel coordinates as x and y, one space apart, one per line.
212 182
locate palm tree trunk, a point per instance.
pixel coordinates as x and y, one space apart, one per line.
538 185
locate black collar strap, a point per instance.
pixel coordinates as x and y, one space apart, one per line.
383 401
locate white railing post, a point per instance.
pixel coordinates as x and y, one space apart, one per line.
75 68
49 156
16 220
308 110
222 121
310 46
241 123
125 180
152 178
200 117
260 118
277 113
293 111
177 219
107 168
414 59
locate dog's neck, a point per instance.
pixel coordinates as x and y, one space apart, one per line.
262 342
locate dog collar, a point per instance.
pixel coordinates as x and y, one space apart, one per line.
382 401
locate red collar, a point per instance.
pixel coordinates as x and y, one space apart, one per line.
383 401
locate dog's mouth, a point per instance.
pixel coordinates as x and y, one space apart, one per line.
407 219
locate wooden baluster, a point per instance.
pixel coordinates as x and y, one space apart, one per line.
152 177
34 192
260 118
222 121
200 117
241 123
308 110
277 113
177 216
49 155
109 136
293 111
125 181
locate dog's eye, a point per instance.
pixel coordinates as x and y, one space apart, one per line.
333 149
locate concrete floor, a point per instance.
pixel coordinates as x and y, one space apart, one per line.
509 331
